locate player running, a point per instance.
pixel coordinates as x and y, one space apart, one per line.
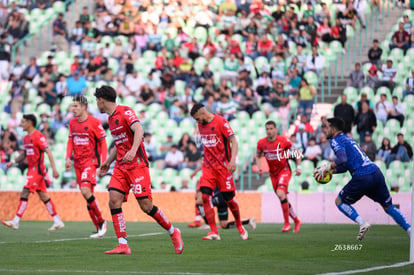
219 163
276 151
367 178
35 145
87 143
131 170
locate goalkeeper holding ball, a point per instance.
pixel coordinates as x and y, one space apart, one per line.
367 178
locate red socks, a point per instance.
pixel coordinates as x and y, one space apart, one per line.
93 217
292 213
50 207
160 217
209 212
93 206
285 209
119 222
234 207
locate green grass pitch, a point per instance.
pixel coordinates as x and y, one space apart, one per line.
34 250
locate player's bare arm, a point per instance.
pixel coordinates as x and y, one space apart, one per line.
298 170
52 163
18 159
105 165
234 149
69 150
138 136
259 155
103 149
195 172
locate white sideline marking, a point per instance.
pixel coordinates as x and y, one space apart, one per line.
368 269
58 271
86 238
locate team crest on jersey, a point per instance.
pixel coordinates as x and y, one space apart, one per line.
212 128
86 128
117 122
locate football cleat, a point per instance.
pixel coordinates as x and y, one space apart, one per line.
212 236
177 241
298 223
120 249
101 231
10 224
195 224
56 226
252 223
363 229
286 228
244 234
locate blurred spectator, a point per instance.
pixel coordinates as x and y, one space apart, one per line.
326 149
150 147
358 105
59 34
164 187
174 158
32 70
324 31
76 84
396 111
346 112
375 53
356 77
16 93
365 121
193 156
49 94
313 151
166 146
18 67
134 83
146 95
382 108
175 111
407 24
301 138
384 150
184 185
369 147
265 47
360 7
84 17
4 58
388 75
248 102
400 38
211 104
304 119
314 62
321 129
372 77
402 151
226 108
306 98
231 66
409 85
394 187
339 33
348 16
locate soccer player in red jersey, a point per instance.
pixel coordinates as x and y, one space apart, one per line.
87 143
219 163
276 151
131 170
35 145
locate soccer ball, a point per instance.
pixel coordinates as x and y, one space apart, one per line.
326 178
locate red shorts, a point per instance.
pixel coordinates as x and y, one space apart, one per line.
35 181
280 181
213 178
137 180
86 176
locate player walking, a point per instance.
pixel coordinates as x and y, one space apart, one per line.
131 170
219 163
367 178
276 151
87 143
35 145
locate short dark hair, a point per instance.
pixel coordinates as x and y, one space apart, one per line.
32 118
271 122
196 108
375 41
81 99
336 123
106 92
400 134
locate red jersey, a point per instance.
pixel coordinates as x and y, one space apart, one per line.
35 146
216 145
85 136
276 153
120 123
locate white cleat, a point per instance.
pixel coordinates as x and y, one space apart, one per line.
252 223
10 224
244 236
101 232
212 236
363 229
56 226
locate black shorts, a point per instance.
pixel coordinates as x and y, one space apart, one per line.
220 203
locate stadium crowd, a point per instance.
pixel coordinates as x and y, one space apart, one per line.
235 57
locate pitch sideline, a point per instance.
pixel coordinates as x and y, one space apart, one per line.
42 271
369 269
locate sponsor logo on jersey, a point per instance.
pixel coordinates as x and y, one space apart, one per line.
80 141
210 140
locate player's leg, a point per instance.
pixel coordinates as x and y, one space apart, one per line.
199 210
87 184
86 195
57 222
229 197
140 182
381 195
351 193
24 195
118 193
207 184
